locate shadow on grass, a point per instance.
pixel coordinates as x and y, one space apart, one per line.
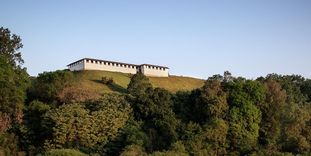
113 86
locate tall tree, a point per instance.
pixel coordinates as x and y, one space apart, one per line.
270 126
244 116
10 44
13 79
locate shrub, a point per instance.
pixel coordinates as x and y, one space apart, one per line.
64 152
107 81
134 150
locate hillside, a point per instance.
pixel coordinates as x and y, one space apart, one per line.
92 80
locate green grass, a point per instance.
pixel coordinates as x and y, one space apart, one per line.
92 80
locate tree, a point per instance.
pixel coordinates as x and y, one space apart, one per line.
87 126
13 79
295 132
306 89
244 117
215 99
155 108
10 44
37 131
139 84
270 126
48 85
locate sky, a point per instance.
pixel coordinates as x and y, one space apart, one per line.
249 38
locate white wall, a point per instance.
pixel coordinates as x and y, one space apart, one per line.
154 71
147 70
115 68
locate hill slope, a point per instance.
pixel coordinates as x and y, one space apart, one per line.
92 80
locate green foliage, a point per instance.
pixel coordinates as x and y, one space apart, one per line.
296 129
210 103
64 152
13 79
48 85
138 85
134 150
131 134
8 144
306 89
244 116
292 84
270 126
37 130
13 83
10 44
216 136
177 149
78 126
155 108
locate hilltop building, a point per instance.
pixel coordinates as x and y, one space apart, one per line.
95 64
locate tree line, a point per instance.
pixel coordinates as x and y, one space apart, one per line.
228 115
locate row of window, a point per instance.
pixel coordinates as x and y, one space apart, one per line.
153 67
111 63
123 65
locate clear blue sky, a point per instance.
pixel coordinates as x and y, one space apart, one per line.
249 38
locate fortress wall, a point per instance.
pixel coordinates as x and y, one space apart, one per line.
94 64
149 70
109 66
77 66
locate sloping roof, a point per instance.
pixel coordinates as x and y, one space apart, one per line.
115 62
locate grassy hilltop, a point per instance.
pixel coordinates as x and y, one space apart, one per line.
92 80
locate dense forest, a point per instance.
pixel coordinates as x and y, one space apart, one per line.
229 115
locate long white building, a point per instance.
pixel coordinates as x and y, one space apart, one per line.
95 64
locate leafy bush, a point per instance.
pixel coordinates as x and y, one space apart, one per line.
8 144
64 152
134 150
106 80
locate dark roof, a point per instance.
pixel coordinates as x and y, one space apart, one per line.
116 62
